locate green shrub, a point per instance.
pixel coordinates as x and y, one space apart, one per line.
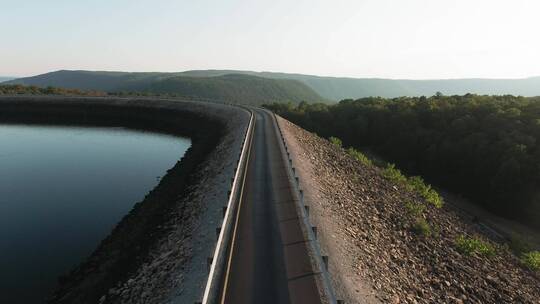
415 209
470 245
393 174
434 198
359 156
414 183
531 260
425 190
422 227
336 141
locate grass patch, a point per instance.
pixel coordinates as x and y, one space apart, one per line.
531 260
393 174
335 141
415 209
414 183
472 245
359 156
425 190
422 227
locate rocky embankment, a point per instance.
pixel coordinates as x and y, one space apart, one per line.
376 256
156 253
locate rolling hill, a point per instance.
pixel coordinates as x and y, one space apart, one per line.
338 88
269 86
234 88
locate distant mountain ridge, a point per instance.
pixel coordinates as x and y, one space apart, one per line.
338 88
234 88
229 81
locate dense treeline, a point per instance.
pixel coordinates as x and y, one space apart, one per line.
486 147
18 89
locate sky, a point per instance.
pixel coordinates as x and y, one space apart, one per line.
411 39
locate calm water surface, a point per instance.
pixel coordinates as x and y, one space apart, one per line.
62 189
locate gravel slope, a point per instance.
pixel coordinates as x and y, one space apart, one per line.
375 256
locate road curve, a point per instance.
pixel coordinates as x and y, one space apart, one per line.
268 258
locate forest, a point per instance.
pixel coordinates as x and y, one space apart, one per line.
17 89
486 148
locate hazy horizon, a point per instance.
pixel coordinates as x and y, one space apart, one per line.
415 39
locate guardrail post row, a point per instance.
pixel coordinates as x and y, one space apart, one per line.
214 263
323 262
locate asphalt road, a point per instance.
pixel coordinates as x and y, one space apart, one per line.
268 257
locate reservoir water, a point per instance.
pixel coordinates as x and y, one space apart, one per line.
62 190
